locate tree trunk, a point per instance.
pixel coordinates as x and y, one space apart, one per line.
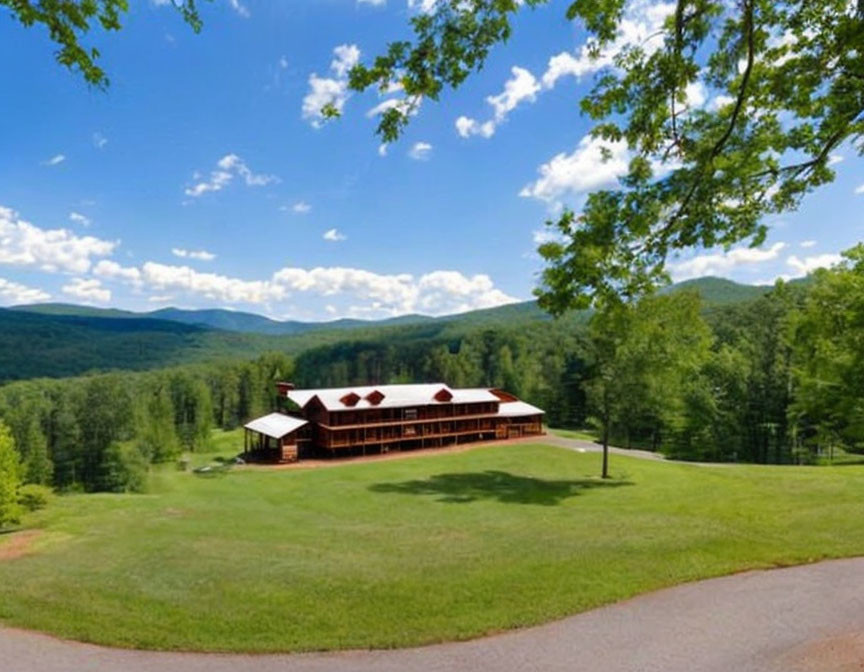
605 473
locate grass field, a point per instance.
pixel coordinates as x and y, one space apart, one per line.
408 551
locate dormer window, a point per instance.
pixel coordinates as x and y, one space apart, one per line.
350 399
375 397
443 395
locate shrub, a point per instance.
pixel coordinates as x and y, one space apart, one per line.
33 496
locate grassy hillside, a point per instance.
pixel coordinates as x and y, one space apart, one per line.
406 552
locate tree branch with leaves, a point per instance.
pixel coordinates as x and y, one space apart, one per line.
786 87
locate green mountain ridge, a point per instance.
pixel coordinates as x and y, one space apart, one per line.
59 340
715 292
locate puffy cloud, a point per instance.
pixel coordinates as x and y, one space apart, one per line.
374 3
581 171
113 271
435 293
12 293
301 207
334 236
720 263
859 189
55 160
807 243
330 91
201 255
87 289
466 127
420 151
810 264
23 244
164 277
99 140
522 86
227 168
640 25
382 149
78 218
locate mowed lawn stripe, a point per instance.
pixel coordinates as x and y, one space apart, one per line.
410 551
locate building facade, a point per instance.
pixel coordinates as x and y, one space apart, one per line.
368 420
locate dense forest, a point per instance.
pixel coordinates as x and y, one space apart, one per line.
768 378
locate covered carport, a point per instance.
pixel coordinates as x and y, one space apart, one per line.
275 437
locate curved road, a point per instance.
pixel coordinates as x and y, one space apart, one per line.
800 619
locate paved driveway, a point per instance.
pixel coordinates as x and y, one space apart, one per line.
801 619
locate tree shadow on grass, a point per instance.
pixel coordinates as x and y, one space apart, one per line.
497 485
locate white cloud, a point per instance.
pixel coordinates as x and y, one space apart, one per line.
23 244
78 218
584 170
420 151
99 140
522 86
466 127
810 264
374 3
301 207
201 255
87 289
543 236
640 25
720 263
423 6
12 293
382 149
283 62
160 299
859 189
164 277
334 236
227 168
240 8
54 160
330 91
408 106
808 243
111 270
436 293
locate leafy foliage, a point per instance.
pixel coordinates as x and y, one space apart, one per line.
68 21
10 479
787 87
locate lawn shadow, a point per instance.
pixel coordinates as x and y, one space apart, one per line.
498 485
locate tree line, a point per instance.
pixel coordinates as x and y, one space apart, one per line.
772 380
99 433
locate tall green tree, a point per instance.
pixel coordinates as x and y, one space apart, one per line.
10 479
644 355
829 357
157 434
37 465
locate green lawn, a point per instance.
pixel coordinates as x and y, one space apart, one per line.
582 434
408 551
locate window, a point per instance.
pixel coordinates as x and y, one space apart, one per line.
410 413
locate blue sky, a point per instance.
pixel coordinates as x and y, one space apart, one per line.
198 180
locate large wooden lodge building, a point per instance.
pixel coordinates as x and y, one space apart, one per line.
339 422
